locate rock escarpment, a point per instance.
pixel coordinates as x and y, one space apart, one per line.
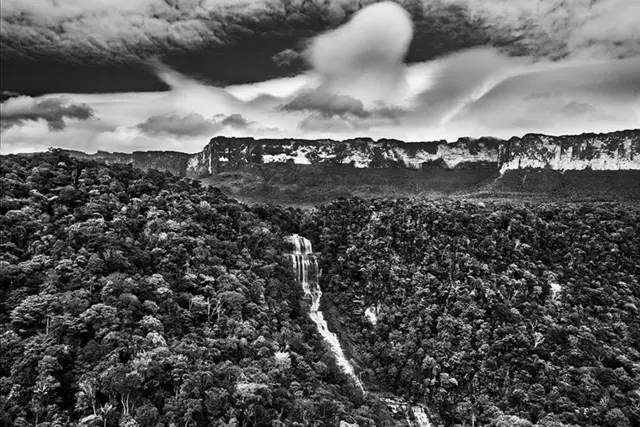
606 152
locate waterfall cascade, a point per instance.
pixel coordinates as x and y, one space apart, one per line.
305 264
306 267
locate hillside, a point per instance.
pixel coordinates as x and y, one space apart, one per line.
143 299
139 298
502 314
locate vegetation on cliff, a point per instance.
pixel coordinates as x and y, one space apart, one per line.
501 314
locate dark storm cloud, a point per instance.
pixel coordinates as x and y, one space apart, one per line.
123 29
259 39
18 110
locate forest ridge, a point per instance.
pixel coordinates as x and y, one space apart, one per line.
140 298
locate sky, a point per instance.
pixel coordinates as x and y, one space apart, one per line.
122 75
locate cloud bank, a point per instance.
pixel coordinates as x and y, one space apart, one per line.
123 30
357 85
15 111
190 125
194 125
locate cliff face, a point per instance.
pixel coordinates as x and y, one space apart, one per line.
223 154
610 151
170 161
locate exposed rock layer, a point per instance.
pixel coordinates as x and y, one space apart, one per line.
609 151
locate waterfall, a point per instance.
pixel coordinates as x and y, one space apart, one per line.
421 416
414 414
305 265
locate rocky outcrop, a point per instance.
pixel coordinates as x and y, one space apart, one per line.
609 151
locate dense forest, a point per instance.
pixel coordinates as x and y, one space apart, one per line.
509 314
138 298
133 298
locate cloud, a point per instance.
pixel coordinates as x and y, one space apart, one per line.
35 136
236 121
359 68
363 58
275 89
190 125
193 124
327 104
15 111
345 125
566 97
323 124
560 28
457 78
116 30
287 57
475 92
333 112
125 31
7 94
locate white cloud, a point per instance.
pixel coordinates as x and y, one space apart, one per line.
363 58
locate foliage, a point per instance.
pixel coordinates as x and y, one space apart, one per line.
306 185
143 299
501 314
138 298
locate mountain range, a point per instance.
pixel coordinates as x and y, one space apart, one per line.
605 151
609 159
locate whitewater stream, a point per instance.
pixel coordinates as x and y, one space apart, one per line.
305 264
